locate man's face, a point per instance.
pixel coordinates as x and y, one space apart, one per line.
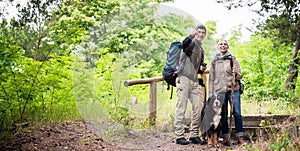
200 34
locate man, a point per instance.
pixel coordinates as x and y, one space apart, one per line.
191 63
223 75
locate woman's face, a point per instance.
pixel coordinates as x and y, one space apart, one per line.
223 46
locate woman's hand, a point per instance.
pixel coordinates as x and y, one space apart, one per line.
234 70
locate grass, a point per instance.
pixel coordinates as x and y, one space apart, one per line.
250 107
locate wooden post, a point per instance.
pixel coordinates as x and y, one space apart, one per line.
152 103
204 89
153 94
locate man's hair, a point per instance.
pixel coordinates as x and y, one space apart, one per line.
200 26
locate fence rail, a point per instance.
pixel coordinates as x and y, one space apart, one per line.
153 92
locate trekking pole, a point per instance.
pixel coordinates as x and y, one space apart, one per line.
231 106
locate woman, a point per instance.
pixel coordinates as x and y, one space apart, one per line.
224 74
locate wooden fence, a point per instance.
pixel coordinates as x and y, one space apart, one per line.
153 92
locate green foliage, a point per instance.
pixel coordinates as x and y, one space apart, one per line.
9 54
36 91
264 68
236 35
29 28
211 28
140 35
281 25
104 70
282 142
37 85
120 115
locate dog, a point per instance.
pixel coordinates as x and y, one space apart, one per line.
211 119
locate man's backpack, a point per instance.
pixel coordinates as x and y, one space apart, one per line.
169 71
173 55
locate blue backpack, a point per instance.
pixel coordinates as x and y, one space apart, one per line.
169 71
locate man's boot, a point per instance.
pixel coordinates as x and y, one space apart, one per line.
182 141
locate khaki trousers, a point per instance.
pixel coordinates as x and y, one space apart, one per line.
187 90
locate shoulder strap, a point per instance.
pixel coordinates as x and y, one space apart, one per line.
231 61
171 93
231 65
214 67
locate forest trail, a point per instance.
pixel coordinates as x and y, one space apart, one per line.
75 135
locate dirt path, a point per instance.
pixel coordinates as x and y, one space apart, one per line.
75 135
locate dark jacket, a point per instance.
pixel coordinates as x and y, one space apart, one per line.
191 58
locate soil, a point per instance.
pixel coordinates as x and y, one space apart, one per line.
77 135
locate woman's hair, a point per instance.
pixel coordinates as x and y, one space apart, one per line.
223 40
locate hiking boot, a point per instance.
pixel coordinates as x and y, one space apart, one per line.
196 140
226 142
241 140
182 141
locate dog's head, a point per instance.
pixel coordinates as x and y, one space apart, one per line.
216 102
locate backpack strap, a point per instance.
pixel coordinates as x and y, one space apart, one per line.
214 67
231 61
231 65
171 93
168 88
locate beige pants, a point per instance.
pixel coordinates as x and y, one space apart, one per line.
187 90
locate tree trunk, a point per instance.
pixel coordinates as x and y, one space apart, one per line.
290 83
293 69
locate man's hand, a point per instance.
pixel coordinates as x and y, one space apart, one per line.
194 33
202 68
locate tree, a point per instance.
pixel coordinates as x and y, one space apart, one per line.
36 73
30 26
282 25
137 33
